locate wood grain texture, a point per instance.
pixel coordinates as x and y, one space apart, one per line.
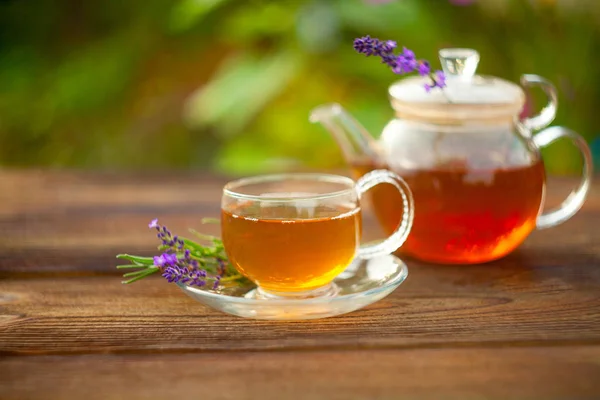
504 373
509 304
59 221
526 326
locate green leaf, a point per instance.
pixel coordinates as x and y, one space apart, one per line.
193 246
252 21
211 221
204 236
187 13
137 259
383 18
129 266
146 273
242 88
135 273
93 76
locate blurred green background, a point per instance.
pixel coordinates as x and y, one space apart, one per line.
227 85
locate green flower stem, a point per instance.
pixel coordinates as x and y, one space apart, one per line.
135 273
145 273
231 278
205 261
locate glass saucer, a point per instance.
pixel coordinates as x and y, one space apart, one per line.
362 283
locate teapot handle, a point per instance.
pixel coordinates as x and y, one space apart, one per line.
546 116
573 203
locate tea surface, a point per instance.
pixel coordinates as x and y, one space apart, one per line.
463 216
289 248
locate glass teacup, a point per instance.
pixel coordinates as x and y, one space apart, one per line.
292 234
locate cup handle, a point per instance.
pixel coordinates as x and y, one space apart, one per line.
396 239
546 116
575 200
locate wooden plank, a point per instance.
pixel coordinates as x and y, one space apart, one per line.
545 291
79 221
91 244
28 195
43 198
39 191
497 373
114 231
541 302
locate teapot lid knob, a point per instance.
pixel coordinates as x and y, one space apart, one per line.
459 63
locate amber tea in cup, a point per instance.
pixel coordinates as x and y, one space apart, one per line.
292 234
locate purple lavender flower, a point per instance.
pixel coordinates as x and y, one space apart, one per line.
439 80
222 266
364 45
197 277
408 54
390 59
159 261
423 68
165 259
176 274
389 46
170 259
220 273
165 236
374 47
217 282
184 271
406 62
178 264
403 63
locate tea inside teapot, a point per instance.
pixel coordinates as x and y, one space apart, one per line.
462 215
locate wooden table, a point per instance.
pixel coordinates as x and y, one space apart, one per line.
527 326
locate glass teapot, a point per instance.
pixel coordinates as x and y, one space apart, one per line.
474 166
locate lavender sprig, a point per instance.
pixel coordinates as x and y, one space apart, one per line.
183 260
402 63
166 237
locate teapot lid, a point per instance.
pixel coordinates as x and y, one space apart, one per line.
466 95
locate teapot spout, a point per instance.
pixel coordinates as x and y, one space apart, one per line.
355 142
